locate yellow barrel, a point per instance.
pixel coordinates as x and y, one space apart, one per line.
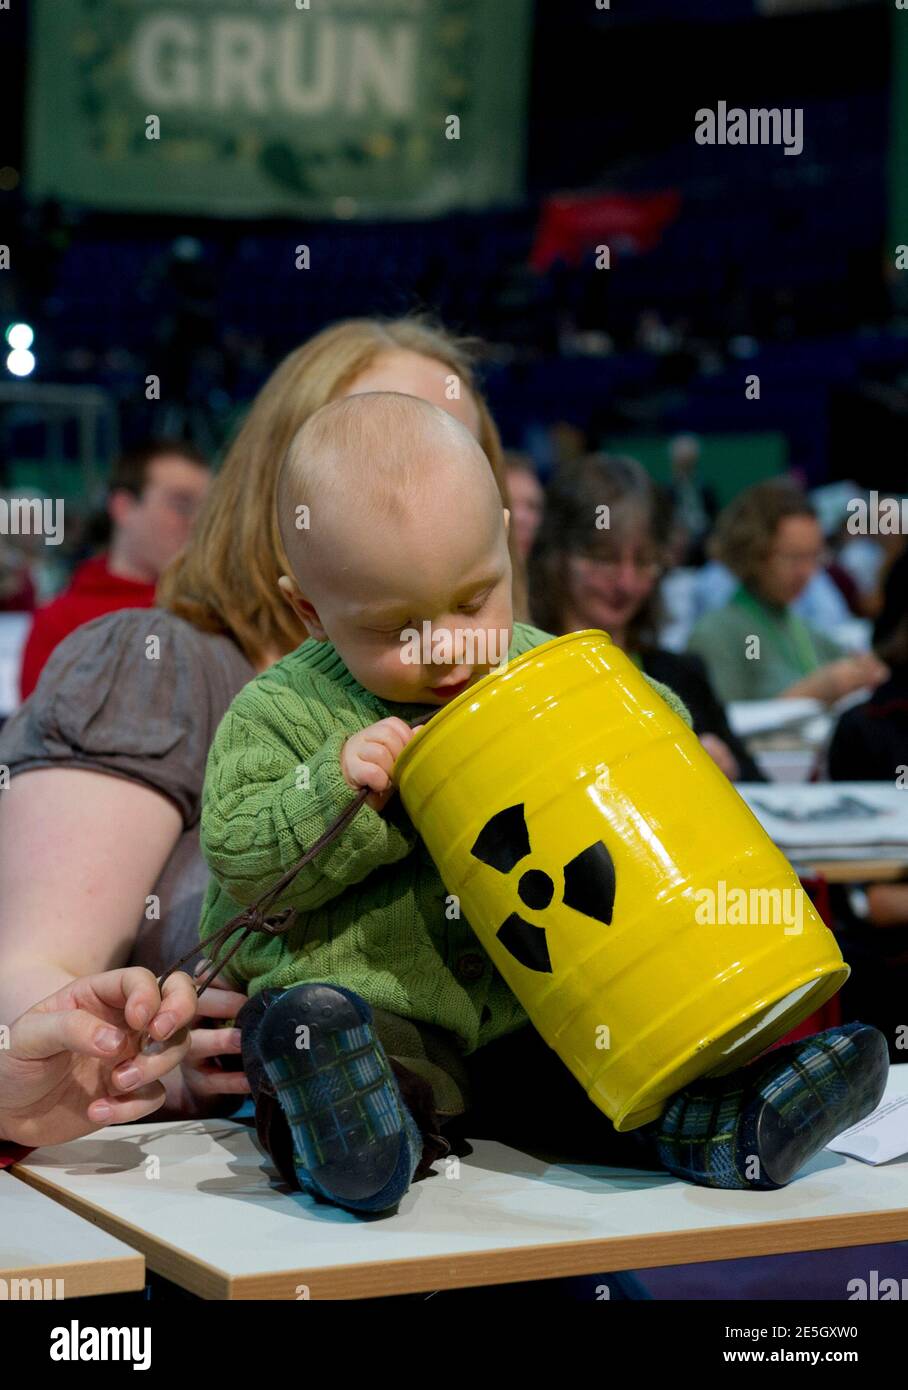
626 893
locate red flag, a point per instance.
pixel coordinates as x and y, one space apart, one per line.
571 225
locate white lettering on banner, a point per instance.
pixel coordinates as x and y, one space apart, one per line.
267 67
239 51
163 67
307 99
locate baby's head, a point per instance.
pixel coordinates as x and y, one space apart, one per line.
397 541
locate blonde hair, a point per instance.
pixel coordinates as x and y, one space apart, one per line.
226 578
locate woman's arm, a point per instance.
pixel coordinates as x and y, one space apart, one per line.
79 853
839 678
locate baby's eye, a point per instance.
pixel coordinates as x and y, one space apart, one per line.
475 606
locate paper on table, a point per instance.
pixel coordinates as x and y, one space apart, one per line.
850 814
748 718
880 1136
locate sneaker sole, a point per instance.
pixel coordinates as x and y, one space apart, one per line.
357 1162
784 1150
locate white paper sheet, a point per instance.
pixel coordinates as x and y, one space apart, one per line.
880 1137
831 815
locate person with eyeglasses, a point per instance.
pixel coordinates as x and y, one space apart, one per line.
599 555
755 646
153 500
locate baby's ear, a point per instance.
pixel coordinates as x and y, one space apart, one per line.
507 521
301 606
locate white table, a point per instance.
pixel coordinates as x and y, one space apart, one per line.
40 1239
214 1223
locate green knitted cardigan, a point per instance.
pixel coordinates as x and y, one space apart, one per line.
374 913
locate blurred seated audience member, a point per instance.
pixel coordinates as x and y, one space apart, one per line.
891 606
894 549
831 503
820 604
527 500
844 580
154 497
868 553
695 503
756 647
17 591
33 561
568 441
861 561
584 575
870 743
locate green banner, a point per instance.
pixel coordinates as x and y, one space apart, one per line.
257 107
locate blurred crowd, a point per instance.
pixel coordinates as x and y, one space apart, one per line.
781 594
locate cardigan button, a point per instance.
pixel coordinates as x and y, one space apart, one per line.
471 966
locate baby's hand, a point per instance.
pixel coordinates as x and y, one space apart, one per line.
368 757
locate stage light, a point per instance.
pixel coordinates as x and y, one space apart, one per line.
21 362
20 335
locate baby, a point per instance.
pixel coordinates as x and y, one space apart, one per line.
365 1018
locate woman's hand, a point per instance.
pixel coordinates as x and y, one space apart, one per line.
839 678
73 1063
721 755
198 1088
851 673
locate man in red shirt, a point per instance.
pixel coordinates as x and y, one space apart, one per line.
154 498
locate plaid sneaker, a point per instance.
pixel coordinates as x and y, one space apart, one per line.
355 1142
758 1126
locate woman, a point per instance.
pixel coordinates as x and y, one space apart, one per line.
596 563
99 852
527 500
755 647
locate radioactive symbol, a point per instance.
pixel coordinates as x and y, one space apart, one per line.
589 884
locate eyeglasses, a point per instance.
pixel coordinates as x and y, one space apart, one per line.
647 569
181 504
800 557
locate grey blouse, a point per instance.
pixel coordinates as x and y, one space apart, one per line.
111 699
